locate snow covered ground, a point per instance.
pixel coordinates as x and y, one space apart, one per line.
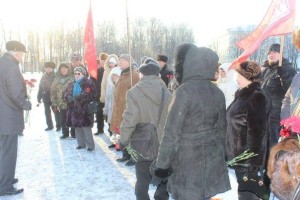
49 168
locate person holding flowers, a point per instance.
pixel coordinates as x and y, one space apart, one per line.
13 102
248 129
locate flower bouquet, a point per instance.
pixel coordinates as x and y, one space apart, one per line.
290 127
29 86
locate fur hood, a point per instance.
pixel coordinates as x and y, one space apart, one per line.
106 67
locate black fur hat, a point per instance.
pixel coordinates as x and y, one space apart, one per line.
274 47
180 54
150 67
162 58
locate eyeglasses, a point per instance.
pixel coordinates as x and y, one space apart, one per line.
77 74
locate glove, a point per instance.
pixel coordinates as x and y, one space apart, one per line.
70 98
162 173
39 101
54 108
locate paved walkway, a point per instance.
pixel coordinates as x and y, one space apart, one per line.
49 168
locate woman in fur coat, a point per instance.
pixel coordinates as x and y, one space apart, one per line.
193 141
247 123
79 94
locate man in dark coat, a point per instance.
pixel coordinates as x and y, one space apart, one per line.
275 82
165 73
193 140
44 94
13 102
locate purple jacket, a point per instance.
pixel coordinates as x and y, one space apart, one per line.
77 115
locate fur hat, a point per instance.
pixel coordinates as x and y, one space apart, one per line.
103 56
76 57
81 70
15 46
162 58
274 47
150 67
296 38
112 60
50 64
126 57
249 69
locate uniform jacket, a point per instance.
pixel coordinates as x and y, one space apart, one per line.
77 115
291 97
275 83
45 87
106 72
121 88
142 106
58 87
193 140
247 124
12 98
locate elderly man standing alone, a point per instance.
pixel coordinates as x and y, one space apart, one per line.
13 102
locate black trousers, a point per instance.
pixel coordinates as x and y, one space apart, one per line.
100 118
48 116
8 160
143 180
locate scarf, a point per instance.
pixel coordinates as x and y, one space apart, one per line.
76 88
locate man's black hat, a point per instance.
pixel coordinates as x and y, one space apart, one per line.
15 46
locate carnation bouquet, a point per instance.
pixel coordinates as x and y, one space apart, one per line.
29 86
289 127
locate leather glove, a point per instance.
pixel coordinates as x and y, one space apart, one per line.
162 173
54 108
70 98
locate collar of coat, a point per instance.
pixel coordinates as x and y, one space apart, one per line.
246 91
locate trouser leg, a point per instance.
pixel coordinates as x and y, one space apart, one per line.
88 135
275 128
48 115
8 160
143 179
161 192
57 118
63 119
80 137
73 132
100 118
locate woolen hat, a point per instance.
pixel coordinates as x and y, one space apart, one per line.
126 57
81 70
76 57
150 67
15 46
103 56
274 47
50 64
249 69
162 58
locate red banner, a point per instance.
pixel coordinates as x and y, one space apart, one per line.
90 53
279 20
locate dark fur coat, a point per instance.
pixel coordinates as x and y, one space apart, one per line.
247 124
77 115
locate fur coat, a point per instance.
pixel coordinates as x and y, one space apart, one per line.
247 124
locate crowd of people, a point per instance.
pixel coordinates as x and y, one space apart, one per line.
198 131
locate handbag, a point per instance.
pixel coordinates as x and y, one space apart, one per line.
254 181
144 138
93 107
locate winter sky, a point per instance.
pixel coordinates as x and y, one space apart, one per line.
208 18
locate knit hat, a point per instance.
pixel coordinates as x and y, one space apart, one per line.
15 46
274 47
81 70
162 58
150 67
249 69
126 57
50 64
76 57
103 56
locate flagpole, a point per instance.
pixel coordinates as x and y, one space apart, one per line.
128 42
281 49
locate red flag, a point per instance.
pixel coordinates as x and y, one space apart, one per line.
90 54
279 20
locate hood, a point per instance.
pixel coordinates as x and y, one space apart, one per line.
200 63
106 67
58 74
151 86
116 70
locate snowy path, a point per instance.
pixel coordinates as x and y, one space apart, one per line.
49 168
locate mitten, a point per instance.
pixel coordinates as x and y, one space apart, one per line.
162 173
54 108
